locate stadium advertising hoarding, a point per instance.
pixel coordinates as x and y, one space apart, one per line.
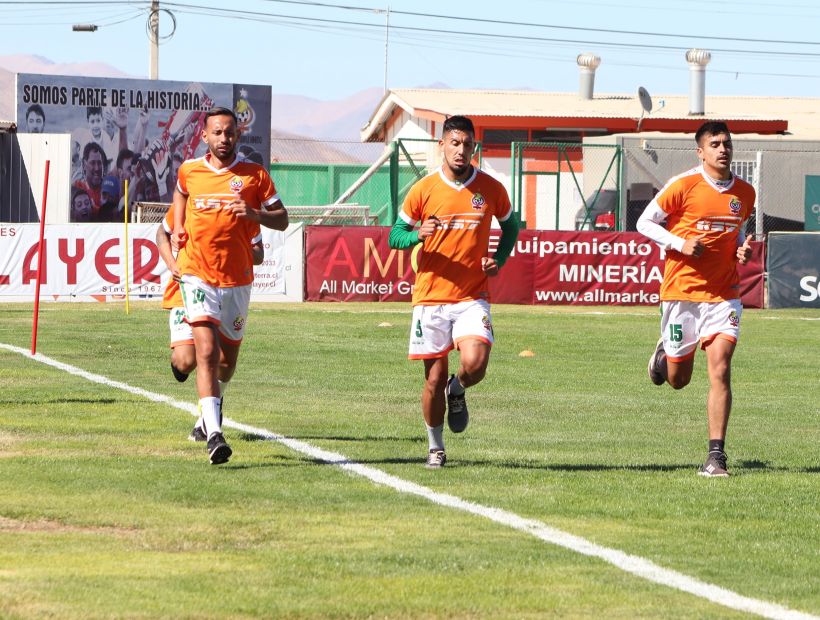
546 268
136 130
812 202
85 263
794 270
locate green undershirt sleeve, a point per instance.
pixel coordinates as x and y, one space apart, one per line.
509 235
402 235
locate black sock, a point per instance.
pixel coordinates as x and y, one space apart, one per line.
716 445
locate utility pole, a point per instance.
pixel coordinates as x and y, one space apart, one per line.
153 39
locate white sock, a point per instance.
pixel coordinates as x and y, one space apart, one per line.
210 414
455 387
435 436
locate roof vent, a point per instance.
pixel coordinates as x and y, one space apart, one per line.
697 59
587 63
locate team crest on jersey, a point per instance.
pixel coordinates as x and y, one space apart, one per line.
734 319
478 201
236 184
734 205
238 324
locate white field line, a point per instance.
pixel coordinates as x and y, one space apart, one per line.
629 563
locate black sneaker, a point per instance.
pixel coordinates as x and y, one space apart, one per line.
436 459
180 376
457 414
198 434
655 367
715 466
218 450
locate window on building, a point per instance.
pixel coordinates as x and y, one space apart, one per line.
504 137
746 170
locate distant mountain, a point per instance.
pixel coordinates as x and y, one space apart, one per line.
296 115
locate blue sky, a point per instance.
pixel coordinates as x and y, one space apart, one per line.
320 50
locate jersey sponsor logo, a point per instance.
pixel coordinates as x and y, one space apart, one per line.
210 203
734 205
478 201
716 226
236 184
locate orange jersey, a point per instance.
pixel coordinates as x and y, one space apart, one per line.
218 249
171 298
449 266
696 205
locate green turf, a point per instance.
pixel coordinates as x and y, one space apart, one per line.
106 511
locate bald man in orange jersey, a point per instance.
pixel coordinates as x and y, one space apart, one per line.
699 218
454 208
219 204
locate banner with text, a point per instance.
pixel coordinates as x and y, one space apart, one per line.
794 270
135 130
84 263
547 267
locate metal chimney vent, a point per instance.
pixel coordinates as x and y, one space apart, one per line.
697 59
587 63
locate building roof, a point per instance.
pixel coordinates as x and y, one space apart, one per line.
8 126
798 116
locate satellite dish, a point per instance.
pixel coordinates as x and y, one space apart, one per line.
645 99
646 104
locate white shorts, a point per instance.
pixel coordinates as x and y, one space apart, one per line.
225 307
180 330
684 324
436 330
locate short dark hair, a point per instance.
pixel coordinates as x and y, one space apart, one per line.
220 111
123 155
37 109
93 146
711 128
93 109
76 192
458 123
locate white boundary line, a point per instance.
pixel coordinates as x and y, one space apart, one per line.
629 563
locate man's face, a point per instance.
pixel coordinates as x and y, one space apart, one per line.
93 169
715 150
458 148
221 135
81 209
126 172
95 124
35 123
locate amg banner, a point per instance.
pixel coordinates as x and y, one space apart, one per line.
136 130
546 268
794 270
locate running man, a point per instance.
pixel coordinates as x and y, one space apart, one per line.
699 218
183 354
220 202
454 208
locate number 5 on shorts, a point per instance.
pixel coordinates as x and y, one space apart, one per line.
418 329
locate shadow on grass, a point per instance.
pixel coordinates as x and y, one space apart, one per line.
66 401
363 438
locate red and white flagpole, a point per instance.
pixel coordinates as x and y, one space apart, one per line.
41 250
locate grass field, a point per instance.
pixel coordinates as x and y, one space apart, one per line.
107 511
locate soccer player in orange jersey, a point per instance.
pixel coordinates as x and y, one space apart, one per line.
699 218
453 208
219 204
183 354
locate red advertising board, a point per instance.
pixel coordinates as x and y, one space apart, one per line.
547 267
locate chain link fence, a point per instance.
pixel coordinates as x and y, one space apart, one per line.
565 186
786 176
